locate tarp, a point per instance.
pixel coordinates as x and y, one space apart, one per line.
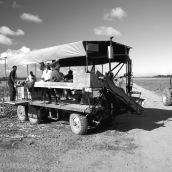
73 54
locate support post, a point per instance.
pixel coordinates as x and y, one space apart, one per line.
35 69
27 70
128 78
6 70
102 68
86 68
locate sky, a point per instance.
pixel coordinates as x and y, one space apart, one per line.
146 26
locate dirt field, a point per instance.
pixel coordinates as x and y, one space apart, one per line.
134 143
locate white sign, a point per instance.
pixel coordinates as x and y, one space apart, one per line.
110 52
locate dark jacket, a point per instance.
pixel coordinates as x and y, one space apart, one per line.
12 77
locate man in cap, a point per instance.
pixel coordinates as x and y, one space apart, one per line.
11 83
57 76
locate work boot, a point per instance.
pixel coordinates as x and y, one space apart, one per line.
49 101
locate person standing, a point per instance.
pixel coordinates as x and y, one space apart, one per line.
46 76
30 80
11 83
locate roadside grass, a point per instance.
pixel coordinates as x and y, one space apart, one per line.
9 110
153 84
4 92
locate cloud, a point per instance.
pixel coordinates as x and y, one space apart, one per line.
1 2
115 13
9 53
5 40
4 30
15 5
31 18
107 31
24 49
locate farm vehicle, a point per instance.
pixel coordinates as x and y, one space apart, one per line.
94 97
167 95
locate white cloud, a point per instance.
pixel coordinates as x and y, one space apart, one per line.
9 53
15 5
24 49
5 40
7 31
107 31
115 13
31 18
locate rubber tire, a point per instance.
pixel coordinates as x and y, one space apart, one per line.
167 97
34 115
22 113
82 123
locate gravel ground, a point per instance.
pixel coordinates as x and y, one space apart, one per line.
133 143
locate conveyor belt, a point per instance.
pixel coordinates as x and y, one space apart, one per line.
121 95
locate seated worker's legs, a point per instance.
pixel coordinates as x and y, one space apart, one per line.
46 93
43 94
59 93
53 93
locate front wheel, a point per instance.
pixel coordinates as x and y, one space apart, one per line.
78 123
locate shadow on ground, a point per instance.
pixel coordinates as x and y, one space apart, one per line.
149 120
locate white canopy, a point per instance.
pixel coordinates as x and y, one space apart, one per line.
75 49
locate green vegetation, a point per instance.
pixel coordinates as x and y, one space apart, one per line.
155 84
162 76
3 92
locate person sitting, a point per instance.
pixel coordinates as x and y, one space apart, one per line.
56 76
69 76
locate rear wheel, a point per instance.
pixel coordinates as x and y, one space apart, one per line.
22 113
78 123
167 97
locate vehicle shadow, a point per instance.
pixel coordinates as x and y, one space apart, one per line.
149 120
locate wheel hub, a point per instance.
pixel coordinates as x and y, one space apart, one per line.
76 122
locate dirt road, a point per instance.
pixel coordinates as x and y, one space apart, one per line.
134 143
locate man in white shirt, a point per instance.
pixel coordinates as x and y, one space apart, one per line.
46 76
